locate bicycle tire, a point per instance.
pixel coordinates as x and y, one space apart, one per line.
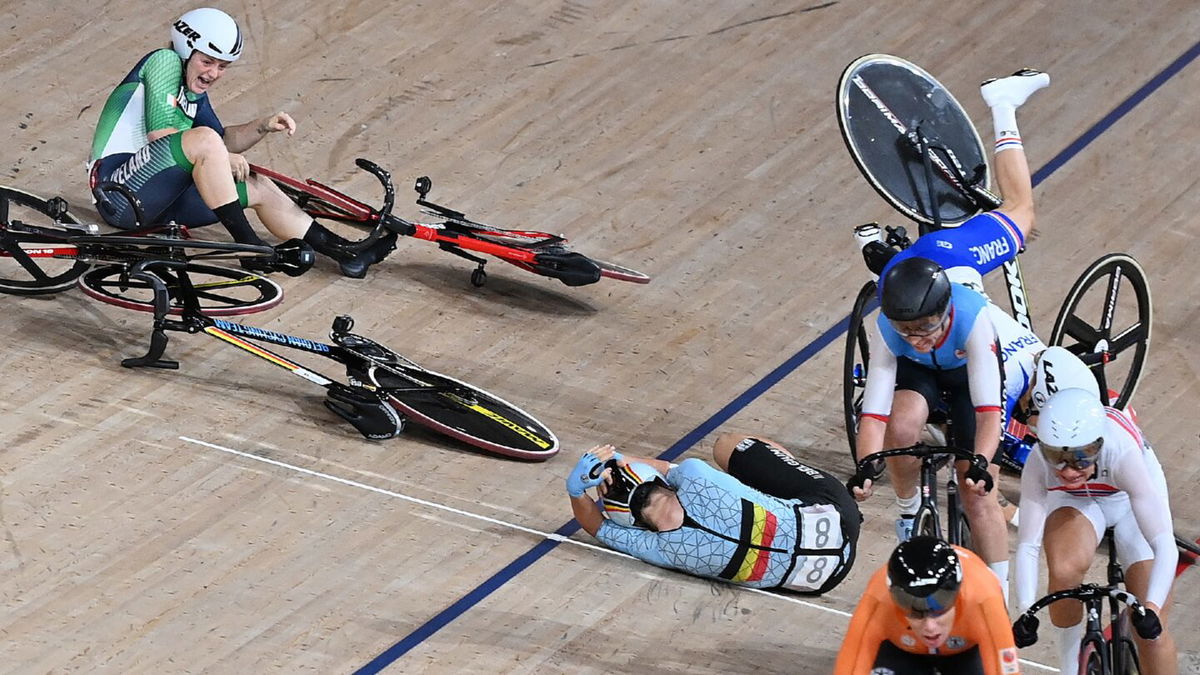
221 291
473 416
1125 659
620 272
1114 269
23 275
880 95
926 525
854 373
1093 659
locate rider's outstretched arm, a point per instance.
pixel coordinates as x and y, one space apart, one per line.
242 137
1004 96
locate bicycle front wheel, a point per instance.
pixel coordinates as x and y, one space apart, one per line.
854 365
219 291
29 267
473 416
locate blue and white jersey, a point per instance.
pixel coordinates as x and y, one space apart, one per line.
967 252
951 351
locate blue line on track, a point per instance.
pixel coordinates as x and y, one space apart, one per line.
543 547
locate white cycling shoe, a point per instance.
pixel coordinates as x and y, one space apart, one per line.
1014 89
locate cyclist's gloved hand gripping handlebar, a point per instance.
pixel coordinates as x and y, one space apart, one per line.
1025 630
978 472
1146 623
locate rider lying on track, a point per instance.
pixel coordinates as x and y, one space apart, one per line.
935 336
159 137
934 608
1093 470
745 523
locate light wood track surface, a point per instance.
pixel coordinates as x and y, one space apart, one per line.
694 141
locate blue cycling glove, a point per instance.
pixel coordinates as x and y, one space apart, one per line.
588 473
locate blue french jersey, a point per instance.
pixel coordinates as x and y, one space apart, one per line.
965 307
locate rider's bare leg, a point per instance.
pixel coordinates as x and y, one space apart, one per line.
284 219
213 176
1159 655
1004 96
1070 544
905 423
279 214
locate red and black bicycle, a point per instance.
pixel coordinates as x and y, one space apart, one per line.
538 252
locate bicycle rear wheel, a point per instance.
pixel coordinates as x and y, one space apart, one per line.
220 291
854 364
880 99
620 273
20 273
1114 290
472 415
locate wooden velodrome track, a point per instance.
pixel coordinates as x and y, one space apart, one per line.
219 519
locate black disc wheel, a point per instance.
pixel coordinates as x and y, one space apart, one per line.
1106 320
882 103
472 415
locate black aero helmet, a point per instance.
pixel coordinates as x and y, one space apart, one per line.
914 288
923 575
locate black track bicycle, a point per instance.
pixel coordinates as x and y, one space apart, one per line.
1101 652
927 521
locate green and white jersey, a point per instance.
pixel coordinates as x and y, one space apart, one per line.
152 96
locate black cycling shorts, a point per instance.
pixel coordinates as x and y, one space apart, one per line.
766 469
943 390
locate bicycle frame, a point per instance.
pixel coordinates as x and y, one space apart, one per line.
932 459
538 252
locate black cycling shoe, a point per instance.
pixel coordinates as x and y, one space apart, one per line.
356 267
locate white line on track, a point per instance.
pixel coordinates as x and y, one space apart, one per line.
467 514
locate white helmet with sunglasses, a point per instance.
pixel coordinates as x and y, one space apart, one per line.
1070 427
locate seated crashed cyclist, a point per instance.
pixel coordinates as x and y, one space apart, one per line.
764 519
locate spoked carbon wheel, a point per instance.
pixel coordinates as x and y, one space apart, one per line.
1106 320
880 100
473 416
854 364
27 262
620 273
220 291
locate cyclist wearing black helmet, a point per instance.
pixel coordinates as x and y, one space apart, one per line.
933 608
764 519
934 342
938 340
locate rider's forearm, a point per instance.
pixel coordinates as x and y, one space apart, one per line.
658 465
587 513
242 137
870 436
987 432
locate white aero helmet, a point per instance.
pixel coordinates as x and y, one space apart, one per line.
209 31
624 498
1058 369
1071 418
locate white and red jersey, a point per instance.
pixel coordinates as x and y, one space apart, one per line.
1126 491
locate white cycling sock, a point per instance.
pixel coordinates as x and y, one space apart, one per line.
1068 648
1000 569
908 505
1004 123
